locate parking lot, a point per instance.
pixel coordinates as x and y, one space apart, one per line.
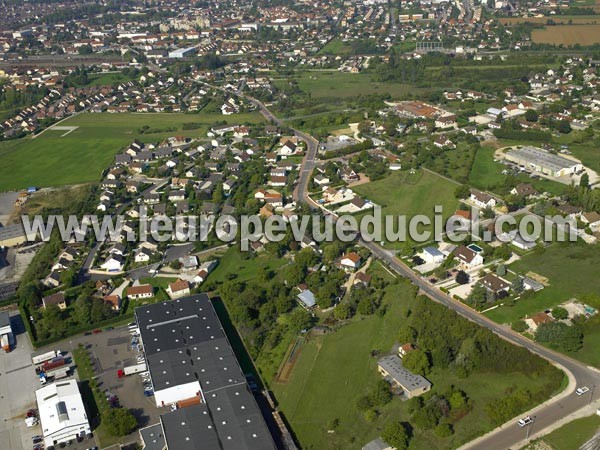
109 351
18 383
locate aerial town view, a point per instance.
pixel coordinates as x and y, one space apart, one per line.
292 224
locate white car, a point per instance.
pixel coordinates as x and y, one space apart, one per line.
582 390
525 421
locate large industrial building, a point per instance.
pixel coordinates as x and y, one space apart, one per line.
13 235
544 162
61 411
182 52
193 367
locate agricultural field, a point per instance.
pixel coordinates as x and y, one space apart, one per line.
403 193
80 156
319 392
575 20
568 35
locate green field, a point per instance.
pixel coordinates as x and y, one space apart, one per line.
335 370
80 157
403 193
572 270
233 263
321 84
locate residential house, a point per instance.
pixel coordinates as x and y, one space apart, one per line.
536 320
482 199
350 261
493 283
57 299
468 257
179 288
140 292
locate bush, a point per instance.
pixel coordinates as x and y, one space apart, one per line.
443 430
519 326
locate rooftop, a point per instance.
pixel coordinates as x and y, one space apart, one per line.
543 158
409 381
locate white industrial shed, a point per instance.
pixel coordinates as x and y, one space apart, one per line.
62 414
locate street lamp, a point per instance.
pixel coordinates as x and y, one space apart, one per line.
529 426
591 393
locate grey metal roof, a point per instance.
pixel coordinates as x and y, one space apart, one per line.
409 381
185 342
4 319
153 437
543 158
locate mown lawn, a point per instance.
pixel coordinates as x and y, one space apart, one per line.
402 193
335 370
80 157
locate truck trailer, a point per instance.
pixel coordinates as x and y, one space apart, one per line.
39 359
130 370
54 363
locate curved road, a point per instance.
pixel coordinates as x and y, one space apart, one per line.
509 435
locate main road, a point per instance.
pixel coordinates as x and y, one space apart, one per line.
509 435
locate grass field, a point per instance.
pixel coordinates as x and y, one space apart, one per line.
572 435
568 35
403 193
334 370
572 270
80 156
346 85
232 262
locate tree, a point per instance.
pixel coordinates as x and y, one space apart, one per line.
531 115
560 313
458 400
462 277
501 270
300 319
584 181
82 310
478 296
417 362
343 311
396 435
443 430
462 192
564 127
119 421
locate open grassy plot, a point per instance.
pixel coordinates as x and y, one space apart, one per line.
80 157
486 172
572 270
347 85
333 371
403 193
574 434
244 267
